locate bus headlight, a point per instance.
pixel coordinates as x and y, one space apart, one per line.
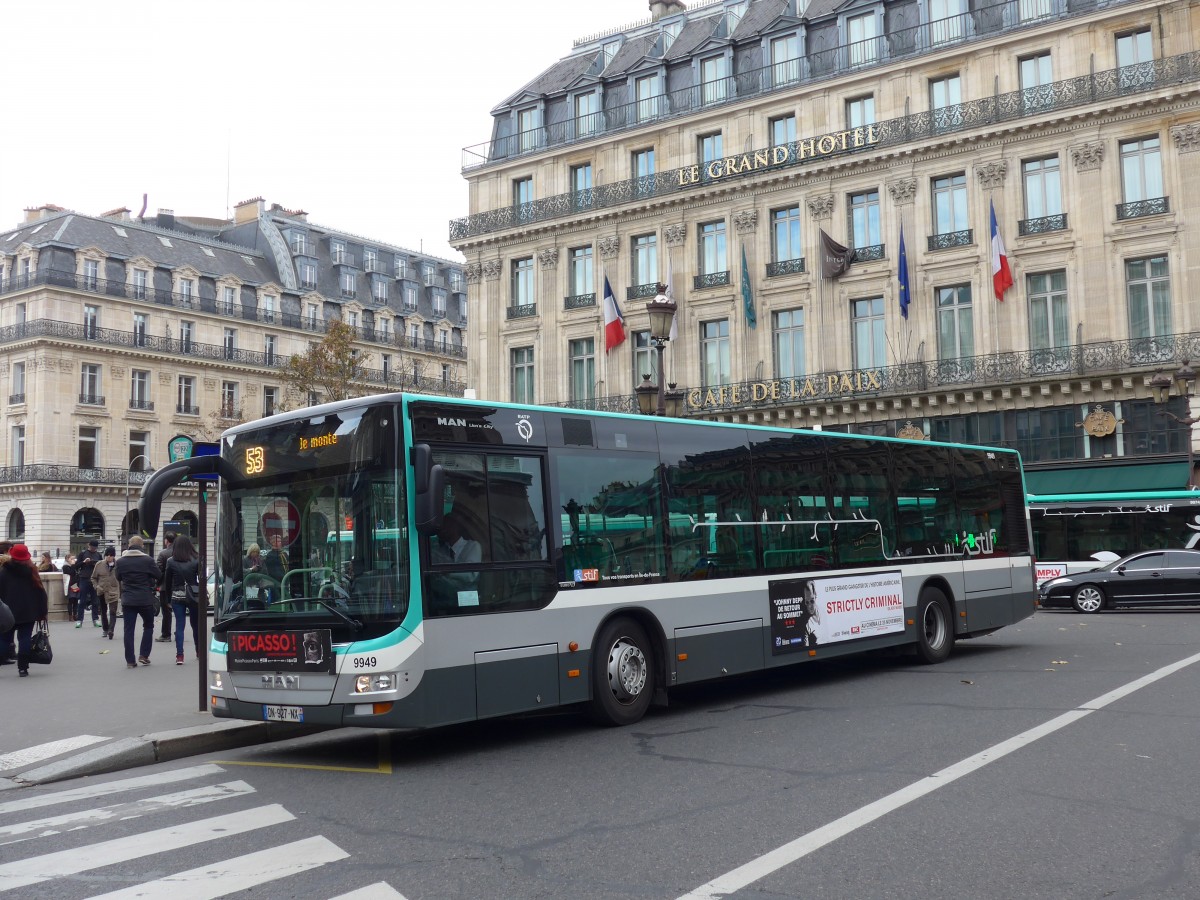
366 684
218 683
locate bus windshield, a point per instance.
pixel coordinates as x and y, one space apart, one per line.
314 530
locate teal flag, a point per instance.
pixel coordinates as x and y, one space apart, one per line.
747 296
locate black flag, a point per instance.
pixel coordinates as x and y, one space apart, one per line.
835 259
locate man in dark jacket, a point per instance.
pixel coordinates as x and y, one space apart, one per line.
85 564
164 597
137 574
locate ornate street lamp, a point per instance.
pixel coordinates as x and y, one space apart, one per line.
1184 382
652 398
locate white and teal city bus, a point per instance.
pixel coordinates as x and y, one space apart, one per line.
595 559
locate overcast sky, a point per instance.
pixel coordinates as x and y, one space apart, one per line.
355 111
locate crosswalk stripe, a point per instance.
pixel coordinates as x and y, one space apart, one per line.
96 815
90 792
380 890
237 874
37 869
18 758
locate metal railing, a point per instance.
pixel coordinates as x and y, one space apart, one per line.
144 405
951 239
640 291
524 311
869 253
709 280
1081 360
91 399
1101 87
579 301
1135 210
1043 224
186 410
786 267
71 474
16 398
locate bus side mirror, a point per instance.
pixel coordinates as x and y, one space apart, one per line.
422 462
429 503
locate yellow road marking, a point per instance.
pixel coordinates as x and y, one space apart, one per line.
384 766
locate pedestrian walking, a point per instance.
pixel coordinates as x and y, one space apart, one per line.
22 591
183 585
163 594
45 563
71 586
107 588
138 576
85 564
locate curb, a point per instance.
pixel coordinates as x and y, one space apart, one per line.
166 746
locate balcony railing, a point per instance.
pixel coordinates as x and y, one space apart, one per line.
951 239
868 253
1156 207
709 280
144 405
1042 225
16 398
785 267
579 301
523 311
187 410
71 474
1145 355
639 291
923 127
91 399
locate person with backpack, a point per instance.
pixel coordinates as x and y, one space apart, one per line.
181 582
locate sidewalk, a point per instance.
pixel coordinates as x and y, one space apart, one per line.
86 713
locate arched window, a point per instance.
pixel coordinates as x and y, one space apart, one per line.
89 521
189 524
16 525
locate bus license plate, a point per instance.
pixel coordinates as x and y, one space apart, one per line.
283 713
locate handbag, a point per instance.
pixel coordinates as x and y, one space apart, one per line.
39 645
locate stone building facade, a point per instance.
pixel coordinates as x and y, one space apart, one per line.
713 147
119 334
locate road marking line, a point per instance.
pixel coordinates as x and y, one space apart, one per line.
789 853
37 869
384 766
19 758
37 801
380 890
86 817
237 874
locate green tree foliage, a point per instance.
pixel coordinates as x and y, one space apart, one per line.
330 370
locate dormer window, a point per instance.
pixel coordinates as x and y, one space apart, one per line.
649 89
610 50
337 250
529 129
733 15
299 243
370 258
785 59
863 38
587 114
714 79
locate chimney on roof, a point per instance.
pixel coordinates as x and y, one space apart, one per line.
37 213
248 210
165 219
660 8
121 214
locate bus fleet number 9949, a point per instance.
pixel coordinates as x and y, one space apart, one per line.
365 662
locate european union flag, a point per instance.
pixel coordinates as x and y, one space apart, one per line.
902 275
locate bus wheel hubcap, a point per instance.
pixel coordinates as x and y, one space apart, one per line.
626 670
935 632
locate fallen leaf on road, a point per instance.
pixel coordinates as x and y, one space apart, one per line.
964 681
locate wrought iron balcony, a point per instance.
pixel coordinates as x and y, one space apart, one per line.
186 410
1042 225
923 127
951 239
579 301
16 398
71 474
640 291
709 280
341 258
144 405
91 399
868 254
785 267
522 312
1139 208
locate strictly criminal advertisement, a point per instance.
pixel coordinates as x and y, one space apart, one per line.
809 612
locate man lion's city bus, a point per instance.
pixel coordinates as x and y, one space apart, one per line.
1080 532
429 560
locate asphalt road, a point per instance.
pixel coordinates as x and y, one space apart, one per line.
1012 770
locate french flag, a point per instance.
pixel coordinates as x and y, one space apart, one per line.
1002 278
614 322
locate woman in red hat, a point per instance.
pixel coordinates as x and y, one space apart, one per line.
21 588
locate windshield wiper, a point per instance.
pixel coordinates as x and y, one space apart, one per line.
353 623
224 624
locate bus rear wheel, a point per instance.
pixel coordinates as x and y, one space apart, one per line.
935 627
622 673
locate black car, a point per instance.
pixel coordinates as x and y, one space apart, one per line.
1149 578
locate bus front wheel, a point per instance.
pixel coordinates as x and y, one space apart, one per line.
935 627
622 673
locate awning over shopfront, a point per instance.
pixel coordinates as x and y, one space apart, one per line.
1108 479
